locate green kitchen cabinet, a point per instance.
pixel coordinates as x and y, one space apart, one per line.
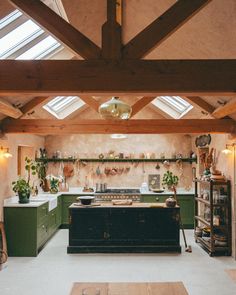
186 203
29 228
66 201
59 211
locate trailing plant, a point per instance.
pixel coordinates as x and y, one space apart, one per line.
30 167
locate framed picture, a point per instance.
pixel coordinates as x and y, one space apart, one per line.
154 181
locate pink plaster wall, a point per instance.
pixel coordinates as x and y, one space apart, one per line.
8 167
92 145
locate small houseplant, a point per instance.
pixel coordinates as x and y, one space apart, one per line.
54 183
22 188
171 181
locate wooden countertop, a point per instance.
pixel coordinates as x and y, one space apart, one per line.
110 205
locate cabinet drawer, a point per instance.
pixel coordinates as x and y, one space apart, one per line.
42 212
52 221
154 198
42 232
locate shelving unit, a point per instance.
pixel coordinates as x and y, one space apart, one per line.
185 160
213 212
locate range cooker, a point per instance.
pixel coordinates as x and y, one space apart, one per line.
118 194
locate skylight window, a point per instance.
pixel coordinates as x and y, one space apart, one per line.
41 49
19 36
174 106
62 106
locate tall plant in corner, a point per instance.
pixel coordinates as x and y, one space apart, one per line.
171 181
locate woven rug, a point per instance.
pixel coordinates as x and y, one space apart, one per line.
231 273
168 288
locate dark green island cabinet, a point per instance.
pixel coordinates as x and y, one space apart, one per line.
142 227
186 203
29 228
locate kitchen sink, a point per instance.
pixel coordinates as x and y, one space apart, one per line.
52 201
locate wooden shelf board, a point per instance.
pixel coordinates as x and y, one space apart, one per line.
208 203
185 160
202 220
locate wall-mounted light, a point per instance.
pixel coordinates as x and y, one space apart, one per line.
4 152
227 151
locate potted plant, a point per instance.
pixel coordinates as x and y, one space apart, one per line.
171 181
22 188
54 183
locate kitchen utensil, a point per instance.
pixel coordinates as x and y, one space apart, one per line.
98 171
68 170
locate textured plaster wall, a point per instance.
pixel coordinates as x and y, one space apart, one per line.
226 164
8 167
92 145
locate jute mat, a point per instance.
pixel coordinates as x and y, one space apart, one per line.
231 273
169 288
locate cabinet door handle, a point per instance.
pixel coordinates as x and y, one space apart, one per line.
157 199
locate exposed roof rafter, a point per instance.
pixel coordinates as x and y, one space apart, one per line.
161 28
9 110
59 28
223 111
140 104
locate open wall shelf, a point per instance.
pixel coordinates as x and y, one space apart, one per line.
185 160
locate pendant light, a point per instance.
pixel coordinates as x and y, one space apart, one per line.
115 109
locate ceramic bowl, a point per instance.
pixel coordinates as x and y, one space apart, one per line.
86 200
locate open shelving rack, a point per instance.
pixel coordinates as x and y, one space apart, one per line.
224 228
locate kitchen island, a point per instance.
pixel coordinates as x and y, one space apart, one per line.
136 228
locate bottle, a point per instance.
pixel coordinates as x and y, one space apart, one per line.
36 191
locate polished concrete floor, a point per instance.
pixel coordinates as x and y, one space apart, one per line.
53 271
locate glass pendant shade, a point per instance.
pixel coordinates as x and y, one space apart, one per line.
115 109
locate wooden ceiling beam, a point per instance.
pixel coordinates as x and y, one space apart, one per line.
140 104
99 77
91 102
200 103
33 103
113 126
163 27
226 110
111 31
9 110
46 18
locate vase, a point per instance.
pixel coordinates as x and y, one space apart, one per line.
54 190
24 198
171 202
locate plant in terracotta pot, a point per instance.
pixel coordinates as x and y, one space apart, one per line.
170 181
22 188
